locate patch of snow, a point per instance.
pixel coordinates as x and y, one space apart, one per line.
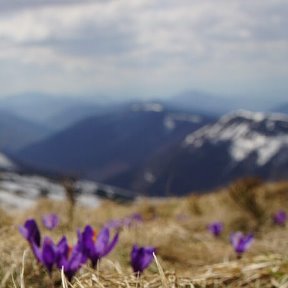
270 125
249 115
149 107
154 107
6 163
89 187
22 191
171 120
9 201
217 132
244 136
88 200
270 149
18 188
254 116
186 117
265 147
241 148
149 177
169 123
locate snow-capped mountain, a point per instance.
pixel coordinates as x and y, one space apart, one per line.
239 144
247 132
21 191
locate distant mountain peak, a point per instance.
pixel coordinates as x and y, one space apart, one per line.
246 133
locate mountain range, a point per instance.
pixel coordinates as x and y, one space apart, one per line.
114 145
239 144
150 147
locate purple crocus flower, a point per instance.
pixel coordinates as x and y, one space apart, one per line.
141 257
280 218
97 247
50 221
50 254
216 228
46 254
241 242
71 259
31 232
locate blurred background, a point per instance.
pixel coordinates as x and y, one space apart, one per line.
155 98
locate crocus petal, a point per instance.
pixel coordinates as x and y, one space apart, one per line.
248 241
110 247
31 232
134 259
37 252
76 261
215 228
71 262
62 246
141 257
147 257
85 241
23 231
235 238
102 241
88 232
87 236
241 242
280 217
48 254
62 251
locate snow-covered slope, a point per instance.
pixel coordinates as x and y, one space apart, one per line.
248 132
23 191
239 144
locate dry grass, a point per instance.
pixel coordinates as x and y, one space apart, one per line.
187 253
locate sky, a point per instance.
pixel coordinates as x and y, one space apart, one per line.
145 48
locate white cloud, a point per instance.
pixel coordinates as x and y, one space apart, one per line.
135 44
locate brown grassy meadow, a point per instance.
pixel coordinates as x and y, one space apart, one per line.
187 254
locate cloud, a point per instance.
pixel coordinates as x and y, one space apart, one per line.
185 42
18 5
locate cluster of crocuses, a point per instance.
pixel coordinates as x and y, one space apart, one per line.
89 247
240 241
